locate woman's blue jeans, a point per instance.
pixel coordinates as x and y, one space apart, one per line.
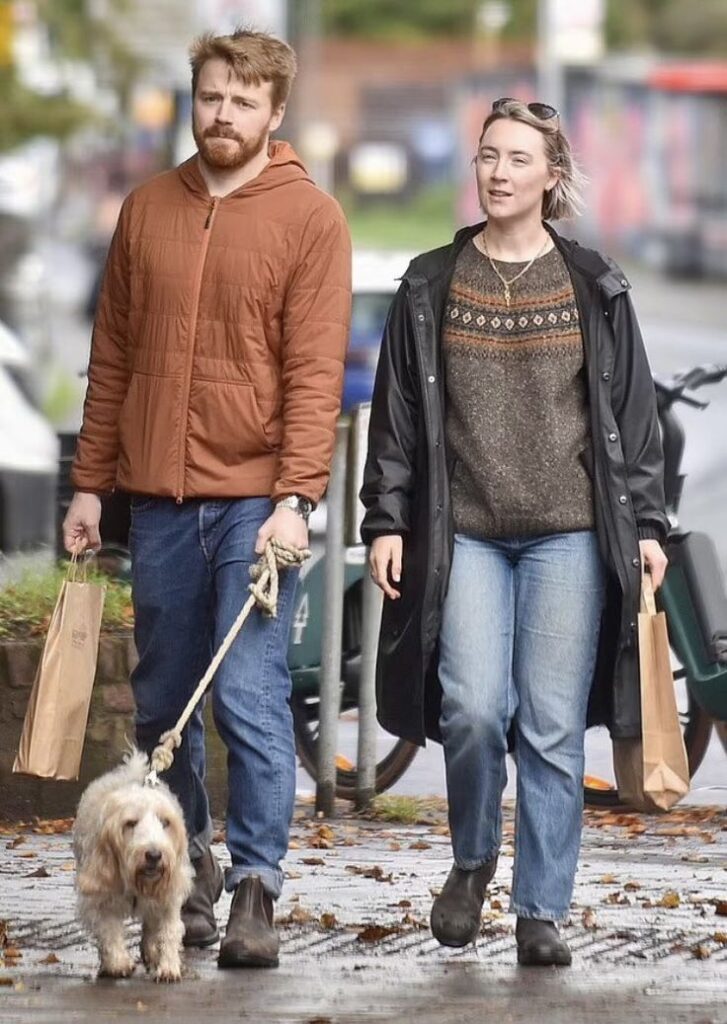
190 580
518 647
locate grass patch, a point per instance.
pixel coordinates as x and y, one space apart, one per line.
424 223
26 604
408 810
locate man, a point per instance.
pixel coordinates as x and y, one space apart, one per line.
214 387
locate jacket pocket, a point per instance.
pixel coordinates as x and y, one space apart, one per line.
224 424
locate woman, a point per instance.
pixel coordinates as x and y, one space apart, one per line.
514 493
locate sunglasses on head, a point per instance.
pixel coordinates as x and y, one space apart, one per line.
543 111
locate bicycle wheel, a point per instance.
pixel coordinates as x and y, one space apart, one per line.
389 769
600 786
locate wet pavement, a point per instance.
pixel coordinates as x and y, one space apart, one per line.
648 932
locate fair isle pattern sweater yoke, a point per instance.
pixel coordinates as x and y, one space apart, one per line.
517 418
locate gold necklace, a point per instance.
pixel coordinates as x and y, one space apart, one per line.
505 283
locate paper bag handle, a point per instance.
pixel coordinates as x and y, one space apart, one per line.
648 603
74 573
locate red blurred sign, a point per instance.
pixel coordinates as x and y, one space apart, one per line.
710 77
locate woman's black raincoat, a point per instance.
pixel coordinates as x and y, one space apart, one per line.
406 485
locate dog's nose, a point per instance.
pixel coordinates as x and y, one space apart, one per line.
153 857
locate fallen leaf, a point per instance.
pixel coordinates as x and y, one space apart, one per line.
632 886
18 841
375 872
420 844
319 1020
607 879
376 932
701 951
40 872
394 847
50 959
670 900
721 938
12 953
28 855
6 979
495 905
298 915
720 908
293 844
405 904
616 898
588 919
141 1007
313 861
328 920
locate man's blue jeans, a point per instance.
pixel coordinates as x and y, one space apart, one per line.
518 645
190 581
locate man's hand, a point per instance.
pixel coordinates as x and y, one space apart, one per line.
654 560
386 551
286 526
80 527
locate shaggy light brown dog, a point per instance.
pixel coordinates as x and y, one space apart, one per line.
131 855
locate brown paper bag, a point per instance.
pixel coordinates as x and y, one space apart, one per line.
55 720
652 773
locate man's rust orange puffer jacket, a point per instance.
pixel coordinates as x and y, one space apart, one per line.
217 355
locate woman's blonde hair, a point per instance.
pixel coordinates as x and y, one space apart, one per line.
565 200
254 58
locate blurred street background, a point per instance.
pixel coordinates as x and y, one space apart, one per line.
386 113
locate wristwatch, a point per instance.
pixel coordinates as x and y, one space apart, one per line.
302 506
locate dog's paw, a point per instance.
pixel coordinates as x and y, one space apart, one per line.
118 968
167 974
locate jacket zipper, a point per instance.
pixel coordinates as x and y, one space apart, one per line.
190 348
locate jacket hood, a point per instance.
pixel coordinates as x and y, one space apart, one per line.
285 166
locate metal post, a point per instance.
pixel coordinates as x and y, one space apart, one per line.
371 621
332 627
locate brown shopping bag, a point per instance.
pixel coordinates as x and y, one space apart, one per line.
652 773
55 720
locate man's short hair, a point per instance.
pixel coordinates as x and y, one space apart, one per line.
254 58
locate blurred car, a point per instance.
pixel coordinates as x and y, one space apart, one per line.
375 280
28 458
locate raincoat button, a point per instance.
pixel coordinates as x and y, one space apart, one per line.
613 437
431 378
636 562
420 317
605 312
622 499
624 282
606 375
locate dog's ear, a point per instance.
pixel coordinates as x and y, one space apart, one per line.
101 872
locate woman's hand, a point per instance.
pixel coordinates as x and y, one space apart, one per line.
653 560
386 552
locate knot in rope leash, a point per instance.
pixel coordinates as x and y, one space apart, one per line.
264 594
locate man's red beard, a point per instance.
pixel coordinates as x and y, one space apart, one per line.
223 156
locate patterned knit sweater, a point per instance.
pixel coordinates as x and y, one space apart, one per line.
517 432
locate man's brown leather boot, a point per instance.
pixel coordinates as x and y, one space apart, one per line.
250 939
198 913
457 911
